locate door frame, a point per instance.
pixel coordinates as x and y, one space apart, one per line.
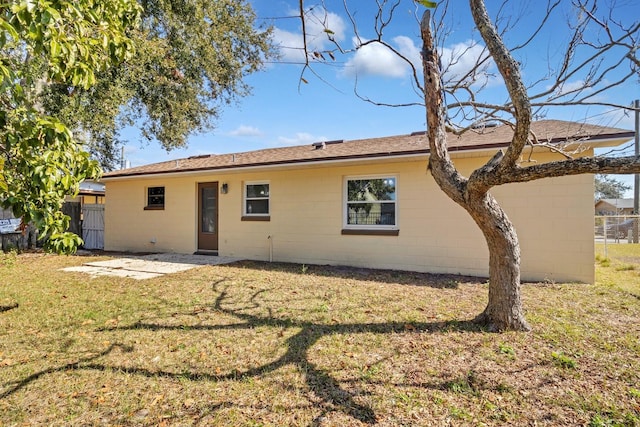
210 247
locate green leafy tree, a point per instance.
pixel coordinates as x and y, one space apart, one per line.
607 187
191 60
51 41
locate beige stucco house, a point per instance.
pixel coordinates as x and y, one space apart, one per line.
614 207
366 203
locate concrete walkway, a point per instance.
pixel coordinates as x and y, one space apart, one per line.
148 266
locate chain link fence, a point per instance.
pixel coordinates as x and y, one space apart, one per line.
617 228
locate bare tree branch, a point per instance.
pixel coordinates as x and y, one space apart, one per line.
443 170
579 166
517 92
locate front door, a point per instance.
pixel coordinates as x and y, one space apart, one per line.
208 216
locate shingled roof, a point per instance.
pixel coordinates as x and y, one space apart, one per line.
487 138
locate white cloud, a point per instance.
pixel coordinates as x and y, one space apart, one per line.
409 50
291 43
375 59
244 130
316 23
459 59
300 138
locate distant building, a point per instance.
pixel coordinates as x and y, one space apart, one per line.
614 207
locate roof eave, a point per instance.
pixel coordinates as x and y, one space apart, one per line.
600 142
268 165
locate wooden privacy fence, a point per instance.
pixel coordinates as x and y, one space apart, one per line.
93 226
86 220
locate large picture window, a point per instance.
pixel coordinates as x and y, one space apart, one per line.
256 199
371 202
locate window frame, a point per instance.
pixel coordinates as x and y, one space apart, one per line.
250 216
155 206
370 229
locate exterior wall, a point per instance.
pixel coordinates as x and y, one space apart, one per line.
306 219
556 236
128 227
92 199
89 199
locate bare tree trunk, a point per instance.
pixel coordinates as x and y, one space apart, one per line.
504 308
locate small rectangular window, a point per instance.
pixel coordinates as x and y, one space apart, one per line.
370 203
256 199
155 198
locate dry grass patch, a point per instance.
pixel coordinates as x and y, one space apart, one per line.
625 262
256 344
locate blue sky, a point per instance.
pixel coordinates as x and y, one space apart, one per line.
283 111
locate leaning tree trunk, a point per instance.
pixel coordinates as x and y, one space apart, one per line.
504 308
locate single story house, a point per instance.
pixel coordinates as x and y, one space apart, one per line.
364 203
614 207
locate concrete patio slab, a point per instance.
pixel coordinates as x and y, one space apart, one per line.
142 265
148 266
189 259
103 271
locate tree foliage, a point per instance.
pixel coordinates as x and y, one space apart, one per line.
69 43
607 187
191 60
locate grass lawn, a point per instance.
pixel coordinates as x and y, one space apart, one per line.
258 344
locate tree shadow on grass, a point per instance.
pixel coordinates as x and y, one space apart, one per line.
433 280
326 388
79 364
4 308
